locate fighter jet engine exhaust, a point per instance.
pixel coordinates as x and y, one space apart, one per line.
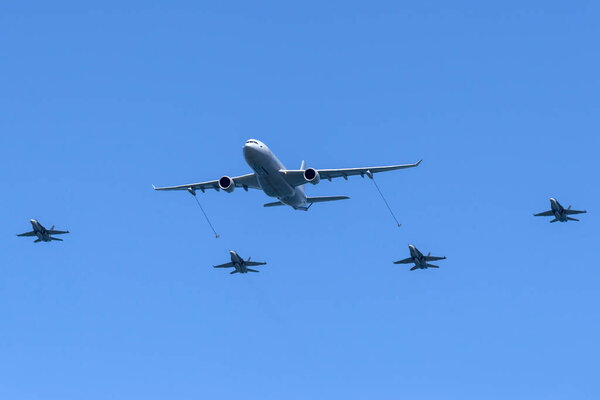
312 176
227 184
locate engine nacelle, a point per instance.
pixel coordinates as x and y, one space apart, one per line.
226 183
312 176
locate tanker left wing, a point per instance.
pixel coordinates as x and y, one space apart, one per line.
226 183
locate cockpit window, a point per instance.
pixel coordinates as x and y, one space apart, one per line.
252 141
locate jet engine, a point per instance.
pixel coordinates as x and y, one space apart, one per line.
312 176
226 183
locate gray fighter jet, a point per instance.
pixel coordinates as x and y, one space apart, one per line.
239 264
559 212
417 258
43 234
275 180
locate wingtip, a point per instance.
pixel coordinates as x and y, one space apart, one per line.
418 163
153 187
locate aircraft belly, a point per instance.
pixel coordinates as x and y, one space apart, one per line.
267 166
274 185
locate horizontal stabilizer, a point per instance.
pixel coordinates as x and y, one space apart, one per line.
432 266
572 219
251 270
311 200
274 204
322 199
53 238
554 220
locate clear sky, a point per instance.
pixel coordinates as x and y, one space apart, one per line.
99 100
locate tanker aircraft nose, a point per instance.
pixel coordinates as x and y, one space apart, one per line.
252 149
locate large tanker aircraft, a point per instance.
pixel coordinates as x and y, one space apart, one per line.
286 185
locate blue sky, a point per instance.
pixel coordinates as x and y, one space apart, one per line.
99 101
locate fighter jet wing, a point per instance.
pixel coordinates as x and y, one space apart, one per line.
296 177
226 265
569 212
408 260
432 258
544 214
32 233
254 263
245 181
53 232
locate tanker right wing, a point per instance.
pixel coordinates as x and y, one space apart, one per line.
303 176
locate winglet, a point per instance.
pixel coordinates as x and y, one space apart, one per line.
418 162
153 187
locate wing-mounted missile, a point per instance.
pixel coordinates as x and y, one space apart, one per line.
312 176
227 184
